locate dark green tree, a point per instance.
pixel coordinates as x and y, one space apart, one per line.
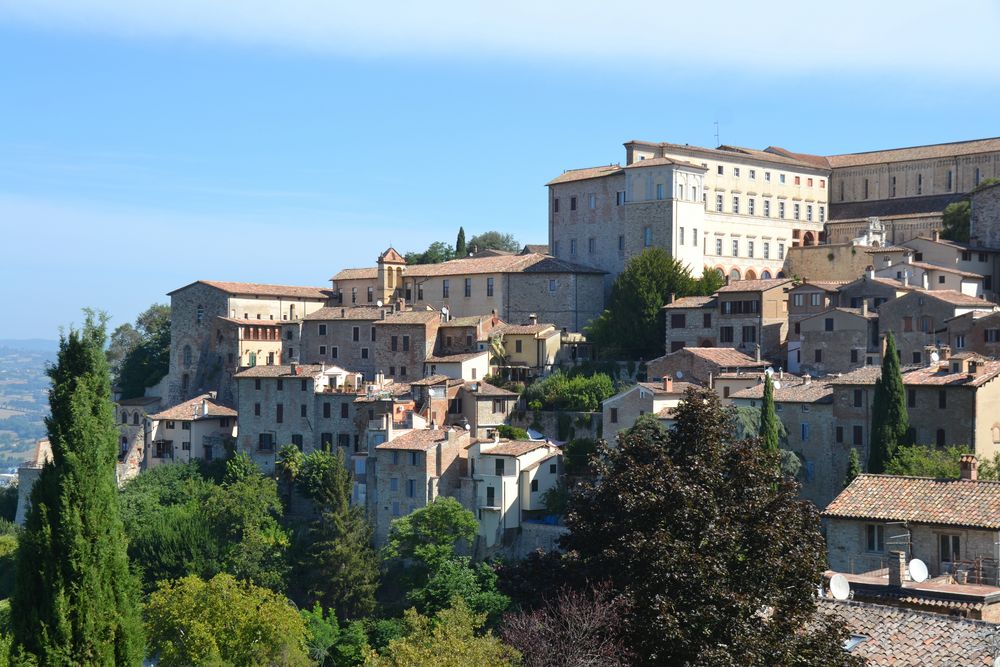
700 532
437 252
75 600
768 417
890 420
957 216
853 467
633 324
147 361
340 569
494 240
460 249
927 461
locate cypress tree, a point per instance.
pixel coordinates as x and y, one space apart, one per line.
75 601
853 467
890 421
768 418
460 250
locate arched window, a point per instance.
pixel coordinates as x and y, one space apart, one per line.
996 433
185 381
781 274
765 275
187 355
734 274
135 419
124 417
200 316
751 275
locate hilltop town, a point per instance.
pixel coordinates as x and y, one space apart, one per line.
439 380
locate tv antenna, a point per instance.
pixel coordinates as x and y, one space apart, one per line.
717 142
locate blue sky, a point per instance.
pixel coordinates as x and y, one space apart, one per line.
147 145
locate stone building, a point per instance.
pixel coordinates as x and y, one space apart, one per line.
919 319
335 335
976 331
753 316
699 365
645 398
870 290
410 470
984 225
962 257
512 287
827 262
200 428
204 352
691 322
459 365
805 407
457 335
509 480
907 189
954 401
930 276
809 298
730 208
27 475
131 414
529 349
950 524
838 340
484 407
405 339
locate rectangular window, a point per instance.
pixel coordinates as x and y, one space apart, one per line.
796 209
875 538
736 204
395 508
265 441
781 178
767 176
751 206
552 284
393 343
256 409
798 180
822 213
857 436
406 343
911 398
411 488
413 458
721 170
394 484
718 203
373 334
839 434
364 353
694 237
326 410
499 466
950 548
678 321
767 250
592 201
828 324
960 342
809 212
767 208
468 287
749 248
736 248
781 251
750 334
621 243
781 210
991 335
614 415
303 410
647 237
681 235
725 334
858 398
659 190
491 499
281 385
854 356
322 350
592 245
572 203
517 346
489 287
706 320
445 286
753 173
279 413
718 247
942 399
736 171
355 334
804 431
798 299
572 246
818 356
619 198
555 205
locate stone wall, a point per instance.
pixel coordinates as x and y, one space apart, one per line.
578 298
841 261
985 225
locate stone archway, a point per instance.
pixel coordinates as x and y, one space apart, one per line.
750 275
734 274
765 275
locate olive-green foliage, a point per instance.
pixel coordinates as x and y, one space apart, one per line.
853 467
8 564
75 599
437 252
957 216
224 622
579 393
8 502
890 420
142 354
179 522
339 568
926 461
331 645
454 637
633 325
494 240
768 418
512 432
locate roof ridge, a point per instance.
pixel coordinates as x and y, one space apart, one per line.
905 148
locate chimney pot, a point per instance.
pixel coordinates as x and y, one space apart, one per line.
897 568
668 384
969 466
870 272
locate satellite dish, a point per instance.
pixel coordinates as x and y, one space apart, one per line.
679 374
467 427
777 384
935 357
839 587
444 310
918 570
379 303
769 371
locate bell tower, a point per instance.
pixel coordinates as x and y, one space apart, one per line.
391 266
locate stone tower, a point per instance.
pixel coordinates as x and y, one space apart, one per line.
391 266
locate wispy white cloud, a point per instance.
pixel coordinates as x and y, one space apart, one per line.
885 38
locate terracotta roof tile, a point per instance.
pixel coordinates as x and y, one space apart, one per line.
737 152
692 302
722 356
410 317
928 152
905 638
678 387
754 285
524 329
420 439
199 407
512 447
454 358
530 263
349 313
487 389
260 289
951 502
586 173
791 390
303 371
664 162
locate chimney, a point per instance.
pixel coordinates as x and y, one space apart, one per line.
293 368
936 235
756 353
906 278
925 281
204 408
807 380
969 466
668 384
928 351
897 568
343 312
864 307
533 318
945 352
382 314
671 297
870 272
380 379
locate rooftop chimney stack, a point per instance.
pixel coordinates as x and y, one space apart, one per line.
533 318
293 368
897 568
925 281
906 278
945 352
864 307
668 384
870 272
969 466
937 235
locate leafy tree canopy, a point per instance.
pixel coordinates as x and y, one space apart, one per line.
431 533
926 461
460 248
957 216
633 325
452 638
331 645
140 355
224 622
559 391
494 240
699 532
890 419
437 252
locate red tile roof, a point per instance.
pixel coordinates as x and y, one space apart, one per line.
530 263
420 439
585 173
754 285
260 289
722 356
692 302
898 637
664 162
950 502
928 152
791 390
524 329
349 313
303 371
199 407
511 447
